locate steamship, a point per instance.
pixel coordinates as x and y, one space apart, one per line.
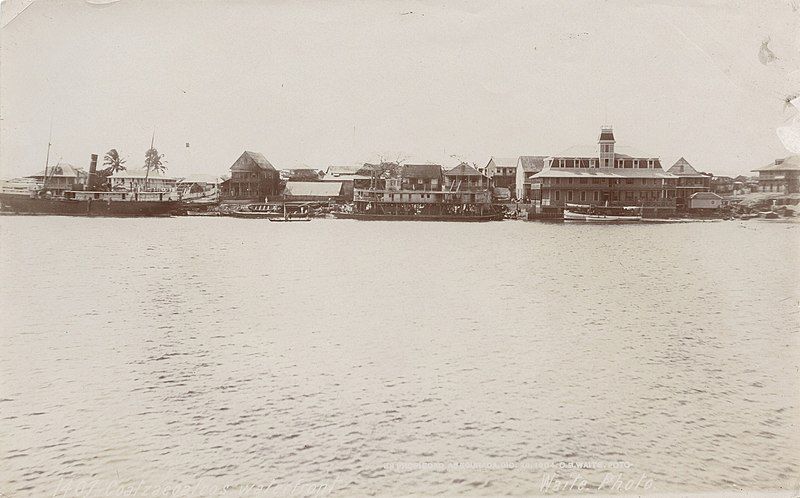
35 198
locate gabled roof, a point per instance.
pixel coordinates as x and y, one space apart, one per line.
313 189
249 159
791 163
504 162
62 170
531 164
463 169
683 168
705 195
425 171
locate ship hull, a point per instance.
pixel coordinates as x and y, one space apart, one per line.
417 217
71 207
573 216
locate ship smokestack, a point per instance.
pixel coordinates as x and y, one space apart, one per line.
93 172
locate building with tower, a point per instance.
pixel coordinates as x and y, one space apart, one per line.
605 175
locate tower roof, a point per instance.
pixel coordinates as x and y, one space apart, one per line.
606 134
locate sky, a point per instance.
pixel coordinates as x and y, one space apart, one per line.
313 83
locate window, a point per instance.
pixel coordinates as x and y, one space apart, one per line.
569 195
650 163
560 163
596 195
558 194
629 181
635 163
569 180
583 196
592 163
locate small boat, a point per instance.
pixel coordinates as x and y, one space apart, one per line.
417 217
290 219
608 214
271 210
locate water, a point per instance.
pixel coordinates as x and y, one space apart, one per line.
342 357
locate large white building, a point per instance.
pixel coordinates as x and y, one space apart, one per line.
133 180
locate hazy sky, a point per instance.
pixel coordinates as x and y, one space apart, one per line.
319 83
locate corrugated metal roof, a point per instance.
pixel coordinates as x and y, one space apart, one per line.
463 169
250 157
791 163
620 151
313 189
141 173
683 168
504 162
602 173
429 171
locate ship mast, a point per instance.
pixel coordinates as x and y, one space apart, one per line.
47 160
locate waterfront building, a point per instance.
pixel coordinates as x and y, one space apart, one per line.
313 191
199 188
62 177
690 181
705 201
301 175
420 177
465 177
604 176
133 180
502 172
782 176
350 176
527 166
722 185
422 191
252 178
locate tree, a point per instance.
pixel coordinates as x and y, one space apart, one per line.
113 162
153 161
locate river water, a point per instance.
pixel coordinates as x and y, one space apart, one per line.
211 356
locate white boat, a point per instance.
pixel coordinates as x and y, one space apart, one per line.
609 214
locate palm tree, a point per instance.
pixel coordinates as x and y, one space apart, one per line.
113 161
153 161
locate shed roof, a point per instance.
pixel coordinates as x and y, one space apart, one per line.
313 189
